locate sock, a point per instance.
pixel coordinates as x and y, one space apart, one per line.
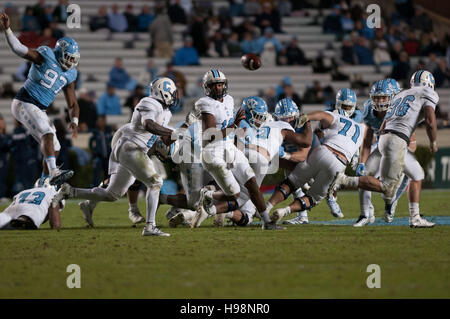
163 198
51 163
152 198
303 213
269 206
265 216
43 175
229 215
213 210
414 209
288 210
351 181
134 207
364 202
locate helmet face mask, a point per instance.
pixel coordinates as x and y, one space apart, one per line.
164 91
210 79
382 94
67 53
346 102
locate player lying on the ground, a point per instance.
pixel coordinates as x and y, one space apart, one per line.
381 95
33 207
262 140
129 160
51 71
408 109
342 137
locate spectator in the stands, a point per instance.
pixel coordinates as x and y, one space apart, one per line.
284 7
57 33
60 12
430 43
134 98
268 37
145 18
187 54
249 44
109 102
280 87
252 8
22 71
119 77
7 91
46 17
270 98
176 76
290 93
198 90
394 34
100 146
236 8
117 22
442 74
269 54
364 30
347 24
198 32
233 45
269 17
29 21
332 22
411 44
46 39
318 63
88 108
282 57
15 18
381 55
132 19
5 145
295 54
217 45
362 52
176 13
149 74
432 63
421 21
347 53
314 94
161 33
401 69
99 21
397 48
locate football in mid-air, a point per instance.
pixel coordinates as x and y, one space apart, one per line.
251 61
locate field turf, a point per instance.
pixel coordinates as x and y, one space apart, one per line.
308 261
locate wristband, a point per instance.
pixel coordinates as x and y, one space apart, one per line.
434 144
75 121
8 31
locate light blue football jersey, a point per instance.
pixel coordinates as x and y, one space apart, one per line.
371 119
47 79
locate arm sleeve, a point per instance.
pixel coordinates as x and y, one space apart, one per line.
15 45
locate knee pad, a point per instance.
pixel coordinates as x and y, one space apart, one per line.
282 190
232 205
390 188
110 196
303 204
243 221
155 182
136 186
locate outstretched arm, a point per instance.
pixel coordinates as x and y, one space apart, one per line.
54 218
430 123
325 118
301 140
366 145
15 45
74 109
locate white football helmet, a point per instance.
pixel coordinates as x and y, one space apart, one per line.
165 91
422 78
211 77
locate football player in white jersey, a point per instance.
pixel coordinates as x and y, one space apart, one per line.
33 207
262 140
129 160
219 154
342 138
408 109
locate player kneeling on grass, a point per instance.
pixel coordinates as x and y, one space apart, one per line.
33 207
342 138
129 160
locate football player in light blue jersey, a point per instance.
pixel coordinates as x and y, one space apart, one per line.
51 72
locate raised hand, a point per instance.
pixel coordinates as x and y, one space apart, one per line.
4 21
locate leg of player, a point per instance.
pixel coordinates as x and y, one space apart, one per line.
4 221
297 205
133 210
389 209
366 209
415 220
302 216
335 210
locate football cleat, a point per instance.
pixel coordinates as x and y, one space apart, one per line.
334 206
171 212
135 216
272 226
204 201
176 220
336 184
419 222
60 176
152 230
87 208
362 221
199 217
278 214
298 220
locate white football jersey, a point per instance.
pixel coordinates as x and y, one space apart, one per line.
147 109
406 111
33 203
344 135
223 111
268 136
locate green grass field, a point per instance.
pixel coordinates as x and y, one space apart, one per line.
308 261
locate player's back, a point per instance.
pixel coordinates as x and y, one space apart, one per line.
147 108
405 112
46 79
344 135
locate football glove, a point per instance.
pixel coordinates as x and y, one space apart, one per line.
302 120
361 169
283 154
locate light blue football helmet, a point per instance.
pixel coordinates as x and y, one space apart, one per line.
346 97
285 109
256 111
67 53
379 89
395 87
